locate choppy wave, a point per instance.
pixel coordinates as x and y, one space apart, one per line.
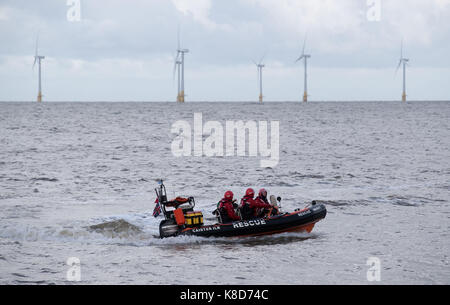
120 228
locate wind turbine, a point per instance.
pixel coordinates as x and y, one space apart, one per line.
179 65
403 61
305 57
38 59
260 67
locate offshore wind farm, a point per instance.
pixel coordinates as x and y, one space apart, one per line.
179 71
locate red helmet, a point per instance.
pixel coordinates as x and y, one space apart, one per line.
263 193
229 195
250 192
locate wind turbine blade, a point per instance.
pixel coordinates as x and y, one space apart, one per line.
175 64
262 58
401 50
37 44
178 38
253 61
300 58
36 50
304 45
174 70
398 67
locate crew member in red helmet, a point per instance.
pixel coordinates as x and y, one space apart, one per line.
226 208
262 199
250 207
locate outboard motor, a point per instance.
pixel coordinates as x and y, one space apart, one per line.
167 227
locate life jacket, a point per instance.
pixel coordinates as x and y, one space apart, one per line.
263 199
223 211
247 212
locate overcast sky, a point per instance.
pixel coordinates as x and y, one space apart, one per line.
124 50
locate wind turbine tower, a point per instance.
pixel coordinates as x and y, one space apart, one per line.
182 52
260 67
305 57
403 62
37 59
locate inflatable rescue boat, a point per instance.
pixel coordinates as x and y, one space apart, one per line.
181 219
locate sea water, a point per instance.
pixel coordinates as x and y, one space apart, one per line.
77 184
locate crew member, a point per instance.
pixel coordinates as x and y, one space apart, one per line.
250 206
226 208
261 199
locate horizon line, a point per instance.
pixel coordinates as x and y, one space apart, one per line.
229 101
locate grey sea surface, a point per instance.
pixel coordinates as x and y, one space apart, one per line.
382 169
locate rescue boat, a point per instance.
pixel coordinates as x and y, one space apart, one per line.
181 219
